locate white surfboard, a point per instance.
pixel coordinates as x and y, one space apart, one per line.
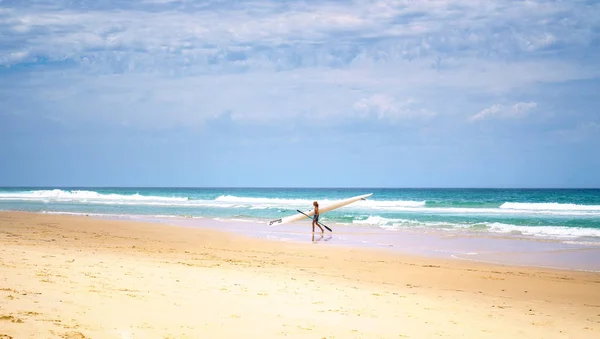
322 209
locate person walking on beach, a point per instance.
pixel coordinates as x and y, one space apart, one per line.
316 218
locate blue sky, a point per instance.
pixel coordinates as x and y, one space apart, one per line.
460 93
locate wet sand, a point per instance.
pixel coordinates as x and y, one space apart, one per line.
78 277
479 246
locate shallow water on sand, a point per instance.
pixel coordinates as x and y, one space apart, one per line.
500 249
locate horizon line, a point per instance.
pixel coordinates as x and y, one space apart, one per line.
296 187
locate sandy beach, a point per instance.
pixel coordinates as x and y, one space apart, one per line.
80 277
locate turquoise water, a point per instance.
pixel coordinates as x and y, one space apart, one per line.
553 213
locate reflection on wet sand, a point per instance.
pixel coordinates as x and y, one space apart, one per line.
320 237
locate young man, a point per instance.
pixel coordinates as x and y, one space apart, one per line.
316 218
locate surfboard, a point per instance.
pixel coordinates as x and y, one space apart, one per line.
322 210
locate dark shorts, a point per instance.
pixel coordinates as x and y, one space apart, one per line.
316 218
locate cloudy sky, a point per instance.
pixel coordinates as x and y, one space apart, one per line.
438 93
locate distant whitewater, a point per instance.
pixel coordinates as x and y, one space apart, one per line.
563 214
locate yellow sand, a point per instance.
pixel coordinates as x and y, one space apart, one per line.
77 277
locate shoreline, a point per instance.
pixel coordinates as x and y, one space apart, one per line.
564 214
516 250
81 277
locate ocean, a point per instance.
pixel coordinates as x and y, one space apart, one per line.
567 214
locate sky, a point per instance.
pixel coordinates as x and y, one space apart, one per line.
439 93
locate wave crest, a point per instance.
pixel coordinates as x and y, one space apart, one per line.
548 206
84 196
494 227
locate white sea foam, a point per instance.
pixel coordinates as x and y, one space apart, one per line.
277 202
586 243
83 196
492 211
125 216
386 204
495 227
91 197
554 231
263 203
393 223
549 206
81 214
254 200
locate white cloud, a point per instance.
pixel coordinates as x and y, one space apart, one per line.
379 103
268 61
517 110
384 106
394 30
523 107
12 58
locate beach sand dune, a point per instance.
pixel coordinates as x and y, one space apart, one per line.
78 277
